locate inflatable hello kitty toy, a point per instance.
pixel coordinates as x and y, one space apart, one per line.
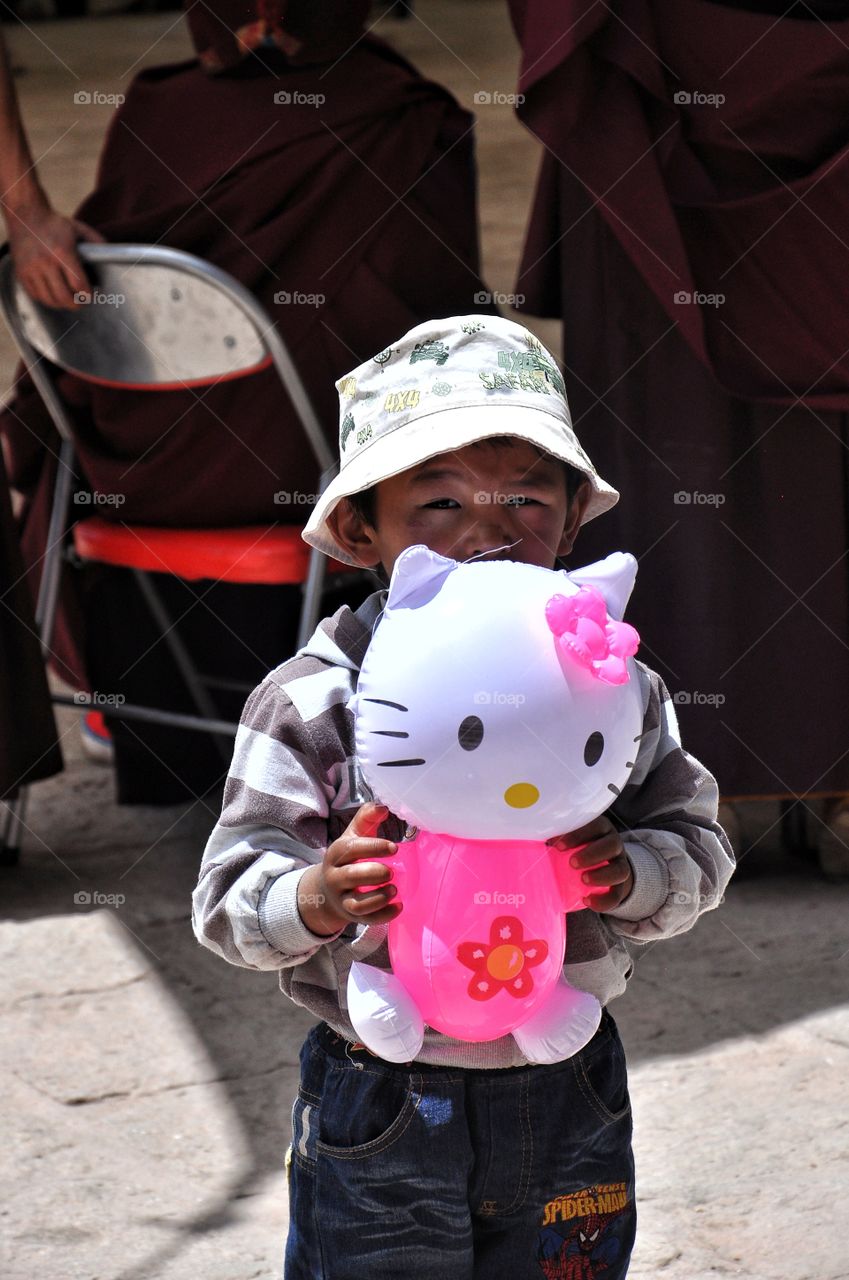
498 705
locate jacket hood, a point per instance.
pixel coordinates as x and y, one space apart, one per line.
342 639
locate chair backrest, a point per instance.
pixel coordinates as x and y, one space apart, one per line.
158 319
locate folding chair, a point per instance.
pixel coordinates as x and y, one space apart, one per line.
181 323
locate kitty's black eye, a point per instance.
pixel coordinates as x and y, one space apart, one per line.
470 733
593 748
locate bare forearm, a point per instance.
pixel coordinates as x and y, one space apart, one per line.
43 243
19 185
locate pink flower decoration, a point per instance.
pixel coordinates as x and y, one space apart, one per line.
584 630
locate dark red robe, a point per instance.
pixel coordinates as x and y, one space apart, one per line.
366 199
690 226
29 748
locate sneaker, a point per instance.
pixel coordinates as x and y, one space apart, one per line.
96 738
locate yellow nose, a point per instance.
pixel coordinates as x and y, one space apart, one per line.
521 795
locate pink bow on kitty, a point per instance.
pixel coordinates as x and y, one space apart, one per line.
586 632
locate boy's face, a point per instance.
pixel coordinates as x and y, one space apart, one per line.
487 501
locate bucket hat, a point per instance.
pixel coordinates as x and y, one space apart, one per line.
447 384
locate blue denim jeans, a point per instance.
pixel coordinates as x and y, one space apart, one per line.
434 1173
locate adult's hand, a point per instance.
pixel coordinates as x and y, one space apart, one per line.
43 244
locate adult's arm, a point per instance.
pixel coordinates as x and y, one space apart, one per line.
42 242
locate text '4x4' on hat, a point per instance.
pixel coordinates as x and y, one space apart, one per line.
444 385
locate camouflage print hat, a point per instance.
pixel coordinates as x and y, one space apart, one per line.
444 385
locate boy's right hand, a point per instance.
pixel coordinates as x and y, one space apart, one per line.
327 893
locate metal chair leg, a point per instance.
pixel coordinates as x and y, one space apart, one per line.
311 597
199 695
51 572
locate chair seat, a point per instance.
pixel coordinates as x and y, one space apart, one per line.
259 554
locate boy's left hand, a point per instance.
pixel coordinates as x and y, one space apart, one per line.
606 870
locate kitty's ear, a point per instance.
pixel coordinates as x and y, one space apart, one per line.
614 578
417 577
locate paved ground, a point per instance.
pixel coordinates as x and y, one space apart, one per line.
148 1085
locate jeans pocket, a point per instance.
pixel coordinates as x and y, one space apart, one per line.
601 1074
364 1111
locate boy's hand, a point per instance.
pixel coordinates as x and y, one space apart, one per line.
606 870
327 893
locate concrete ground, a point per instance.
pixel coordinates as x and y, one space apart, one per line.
148 1085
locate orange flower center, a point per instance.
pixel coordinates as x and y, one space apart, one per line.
505 962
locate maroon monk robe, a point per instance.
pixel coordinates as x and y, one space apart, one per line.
29 748
722 417
365 200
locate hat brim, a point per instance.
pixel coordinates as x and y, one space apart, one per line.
444 431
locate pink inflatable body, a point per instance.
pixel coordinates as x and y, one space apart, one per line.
479 961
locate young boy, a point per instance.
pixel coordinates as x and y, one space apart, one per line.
469 1163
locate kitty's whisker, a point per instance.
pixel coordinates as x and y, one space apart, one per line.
384 702
390 733
386 764
614 789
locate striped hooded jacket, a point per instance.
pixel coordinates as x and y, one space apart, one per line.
294 786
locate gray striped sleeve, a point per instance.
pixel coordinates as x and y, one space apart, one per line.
287 795
667 816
